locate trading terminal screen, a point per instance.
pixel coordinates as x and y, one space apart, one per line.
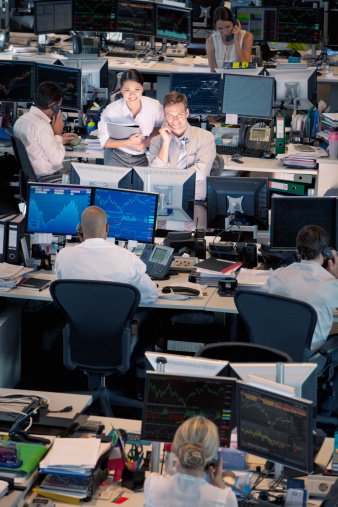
135 17
16 81
94 15
131 214
275 427
299 25
53 16
260 21
170 399
68 79
173 24
201 90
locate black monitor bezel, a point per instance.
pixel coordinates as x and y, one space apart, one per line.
201 76
63 69
61 30
178 9
22 63
150 33
261 7
113 5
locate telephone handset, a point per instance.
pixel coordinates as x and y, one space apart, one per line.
230 37
56 109
157 259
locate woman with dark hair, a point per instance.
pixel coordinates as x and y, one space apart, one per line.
136 109
229 43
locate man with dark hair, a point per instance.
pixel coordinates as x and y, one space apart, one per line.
309 281
40 129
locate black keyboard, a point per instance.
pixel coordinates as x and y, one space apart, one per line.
123 54
224 149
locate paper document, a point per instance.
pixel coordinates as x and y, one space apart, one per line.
253 277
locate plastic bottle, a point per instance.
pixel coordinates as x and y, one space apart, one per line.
333 145
169 462
90 127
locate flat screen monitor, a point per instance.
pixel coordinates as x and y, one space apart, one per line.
171 399
135 17
98 175
275 426
94 71
260 21
175 188
299 24
53 16
68 79
16 81
187 364
131 215
55 209
94 15
248 96
290 213
295 83
246 198
173 23
201 90
333 32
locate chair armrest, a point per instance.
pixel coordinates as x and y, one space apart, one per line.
329 347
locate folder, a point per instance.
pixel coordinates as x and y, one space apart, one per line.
288 186
4 221
16 229
300 178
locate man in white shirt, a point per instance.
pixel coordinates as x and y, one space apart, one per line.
40 130
309 281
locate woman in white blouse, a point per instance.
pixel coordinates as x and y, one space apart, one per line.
196 443
135 109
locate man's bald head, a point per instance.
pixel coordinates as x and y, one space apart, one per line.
94 223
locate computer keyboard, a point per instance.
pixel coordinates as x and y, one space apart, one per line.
224 149
123 54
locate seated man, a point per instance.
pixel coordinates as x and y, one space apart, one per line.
309 281
98 259
40 130
181 146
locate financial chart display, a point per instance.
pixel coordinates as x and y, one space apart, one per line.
299 25
173 23
53 16
201 90
260 21
94 15
135 17
275 427
16 81
68 79
131 215
56 209
170 399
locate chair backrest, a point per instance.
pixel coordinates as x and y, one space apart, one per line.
22 157
217 166
241 352
99 316
277 321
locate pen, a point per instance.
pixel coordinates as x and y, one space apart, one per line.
44 287
118 496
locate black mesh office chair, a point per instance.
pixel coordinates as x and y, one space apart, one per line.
241 352
97 337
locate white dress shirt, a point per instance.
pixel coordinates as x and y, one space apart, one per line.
182 490
308 281
45 150
201 153
225 53
150 116
98 259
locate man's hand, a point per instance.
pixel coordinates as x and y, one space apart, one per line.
165 132
67 137
215 476
332 266
57 124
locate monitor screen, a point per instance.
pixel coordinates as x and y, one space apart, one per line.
289 214
333 32
135 17
260 21
175 188
201 90
131 215
68 79
187 364
94 15
55 209
171 399
173 23
53 16
247 198
248 96
16 81
275 426
299 24
98 175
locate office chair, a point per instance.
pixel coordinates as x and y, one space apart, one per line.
241 352
97 336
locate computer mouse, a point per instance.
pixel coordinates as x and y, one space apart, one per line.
160 58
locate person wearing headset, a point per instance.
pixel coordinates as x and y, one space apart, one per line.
229 43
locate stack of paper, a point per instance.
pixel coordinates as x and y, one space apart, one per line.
329 122
94 146
252 278
210 271
303 156
11 275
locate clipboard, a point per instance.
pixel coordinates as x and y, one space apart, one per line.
122 132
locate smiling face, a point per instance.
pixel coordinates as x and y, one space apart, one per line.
132 93
176 116
224 28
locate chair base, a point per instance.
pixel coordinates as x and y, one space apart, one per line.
108 398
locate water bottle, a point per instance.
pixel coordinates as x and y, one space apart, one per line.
333 145
90 127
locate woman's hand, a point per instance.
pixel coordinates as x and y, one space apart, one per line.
237 31
215 475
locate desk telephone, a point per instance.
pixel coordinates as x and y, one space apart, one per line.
256 137
157 259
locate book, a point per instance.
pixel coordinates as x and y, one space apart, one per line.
34 283
218 265
66 485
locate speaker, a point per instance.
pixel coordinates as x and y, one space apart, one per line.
250 255
200 248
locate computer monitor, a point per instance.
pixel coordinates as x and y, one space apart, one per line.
68 79
171 399
98 175
135 17
248 96
94 72
299 24
53 16
295 83
333 33
131 215
94 16
175 187
275 426
187 364
247 198
290 213
17 81
260 21
201 90
55 208
173 23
